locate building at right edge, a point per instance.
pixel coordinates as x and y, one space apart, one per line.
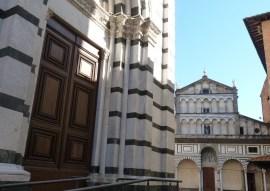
258 27
259 30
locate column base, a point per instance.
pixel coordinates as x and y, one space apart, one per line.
13 173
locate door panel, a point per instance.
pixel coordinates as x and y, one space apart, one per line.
81 116
62 123
208 179
44 145
49 101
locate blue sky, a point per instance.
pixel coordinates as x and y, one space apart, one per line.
211 35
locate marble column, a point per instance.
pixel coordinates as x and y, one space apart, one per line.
220 180
201 180
264 180
246 182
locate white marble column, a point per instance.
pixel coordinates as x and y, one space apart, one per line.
246 182
220 180
201 180
264 180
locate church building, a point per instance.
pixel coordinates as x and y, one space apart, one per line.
86 88
214 143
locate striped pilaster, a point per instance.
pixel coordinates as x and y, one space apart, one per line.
165 35
167 93
135 7
115 113
139 122
20 32
119 6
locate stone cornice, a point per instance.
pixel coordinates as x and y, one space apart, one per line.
207 116
92 10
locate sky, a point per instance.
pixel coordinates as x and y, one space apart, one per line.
211 36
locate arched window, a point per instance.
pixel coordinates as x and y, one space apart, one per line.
206 129
241 130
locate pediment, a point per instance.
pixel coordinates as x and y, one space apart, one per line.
206 85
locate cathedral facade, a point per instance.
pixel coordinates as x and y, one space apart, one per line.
214 143
86 88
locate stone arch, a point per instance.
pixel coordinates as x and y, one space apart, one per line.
206 104
236 159
209 157
221 105
183 126
223 127
199 126
183 106
231 127
216 127
214 106
207 126
189 173
191 106
229 105
198 105
232 175
192 126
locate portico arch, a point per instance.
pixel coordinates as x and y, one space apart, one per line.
189 174
232 175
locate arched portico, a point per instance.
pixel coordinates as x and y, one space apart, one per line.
232 175
189 173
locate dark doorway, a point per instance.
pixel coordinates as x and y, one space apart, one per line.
208 179
62 123
251 182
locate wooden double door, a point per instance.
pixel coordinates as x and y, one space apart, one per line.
62 122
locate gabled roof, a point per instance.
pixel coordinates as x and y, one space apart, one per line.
249 118
253 25
205 78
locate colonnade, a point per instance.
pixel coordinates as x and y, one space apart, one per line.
192 105
217 126
219 176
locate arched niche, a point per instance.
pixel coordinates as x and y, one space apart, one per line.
183 106
231 127
214 106
192 126
222 106
232 175
199 126
191 106
198 106
229 105
216 127
208 157
189 174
